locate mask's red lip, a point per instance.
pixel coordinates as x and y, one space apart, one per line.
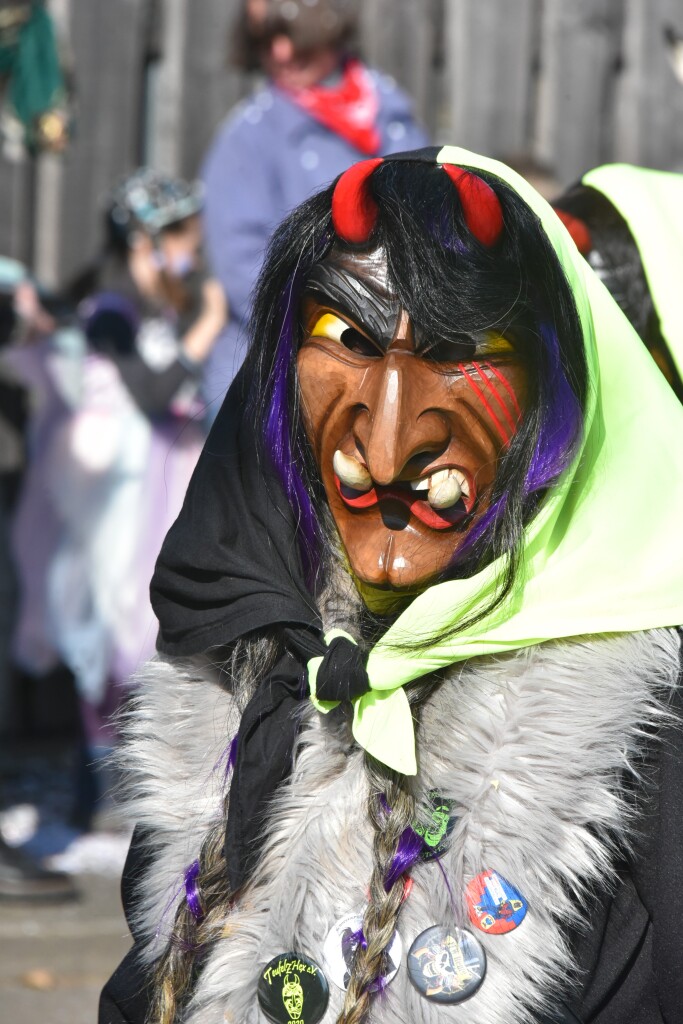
421 509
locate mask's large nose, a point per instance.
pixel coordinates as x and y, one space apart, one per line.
396 422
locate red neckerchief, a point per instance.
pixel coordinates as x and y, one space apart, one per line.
348 109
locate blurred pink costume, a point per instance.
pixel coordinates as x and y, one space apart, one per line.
113 481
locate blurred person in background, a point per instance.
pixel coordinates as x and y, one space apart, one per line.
20 314
320 111
25 328
121 462
627 222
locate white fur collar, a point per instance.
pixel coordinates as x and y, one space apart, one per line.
532 746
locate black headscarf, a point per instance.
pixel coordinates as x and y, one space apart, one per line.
230 567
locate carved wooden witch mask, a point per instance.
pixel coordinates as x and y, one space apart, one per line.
407 426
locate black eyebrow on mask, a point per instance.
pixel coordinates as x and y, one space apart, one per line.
374 313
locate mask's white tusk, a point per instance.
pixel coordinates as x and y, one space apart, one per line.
350 472
445 494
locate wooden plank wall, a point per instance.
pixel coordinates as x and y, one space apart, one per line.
211 86
579 63
649 107
563 84
108 41
402 38
14 212
491 70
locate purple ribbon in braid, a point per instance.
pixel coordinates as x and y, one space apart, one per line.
192 896
232 754
410 846
351 941
229 756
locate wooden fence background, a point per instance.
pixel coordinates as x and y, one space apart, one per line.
565 84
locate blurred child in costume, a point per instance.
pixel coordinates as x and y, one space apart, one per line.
122 461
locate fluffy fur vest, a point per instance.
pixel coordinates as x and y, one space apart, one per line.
537 749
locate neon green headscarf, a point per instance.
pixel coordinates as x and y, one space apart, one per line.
651 203
605 551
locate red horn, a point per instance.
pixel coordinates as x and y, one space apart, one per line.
354 211
480 204
577 229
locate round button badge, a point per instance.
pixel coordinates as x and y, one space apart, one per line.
340 947
446 964
494 905
436 829
292 987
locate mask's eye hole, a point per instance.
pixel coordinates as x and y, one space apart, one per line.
451 350
336 329
467 350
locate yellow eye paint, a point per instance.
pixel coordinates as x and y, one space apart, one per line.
329 326
494 345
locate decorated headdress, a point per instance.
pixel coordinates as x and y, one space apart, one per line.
149 201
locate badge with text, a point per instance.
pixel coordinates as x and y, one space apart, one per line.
446 964
436 827
494 905
292 987
340 949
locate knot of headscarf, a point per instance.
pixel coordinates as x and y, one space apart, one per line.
341 673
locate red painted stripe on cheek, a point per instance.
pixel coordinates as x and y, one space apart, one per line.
492 388
484 401
508 388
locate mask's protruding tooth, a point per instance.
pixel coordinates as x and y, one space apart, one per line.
350 472
439 477
420 485
445 494
464 485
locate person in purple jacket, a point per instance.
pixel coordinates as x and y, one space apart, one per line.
320 111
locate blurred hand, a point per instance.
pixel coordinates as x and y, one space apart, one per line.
214 303
35 321
202 335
